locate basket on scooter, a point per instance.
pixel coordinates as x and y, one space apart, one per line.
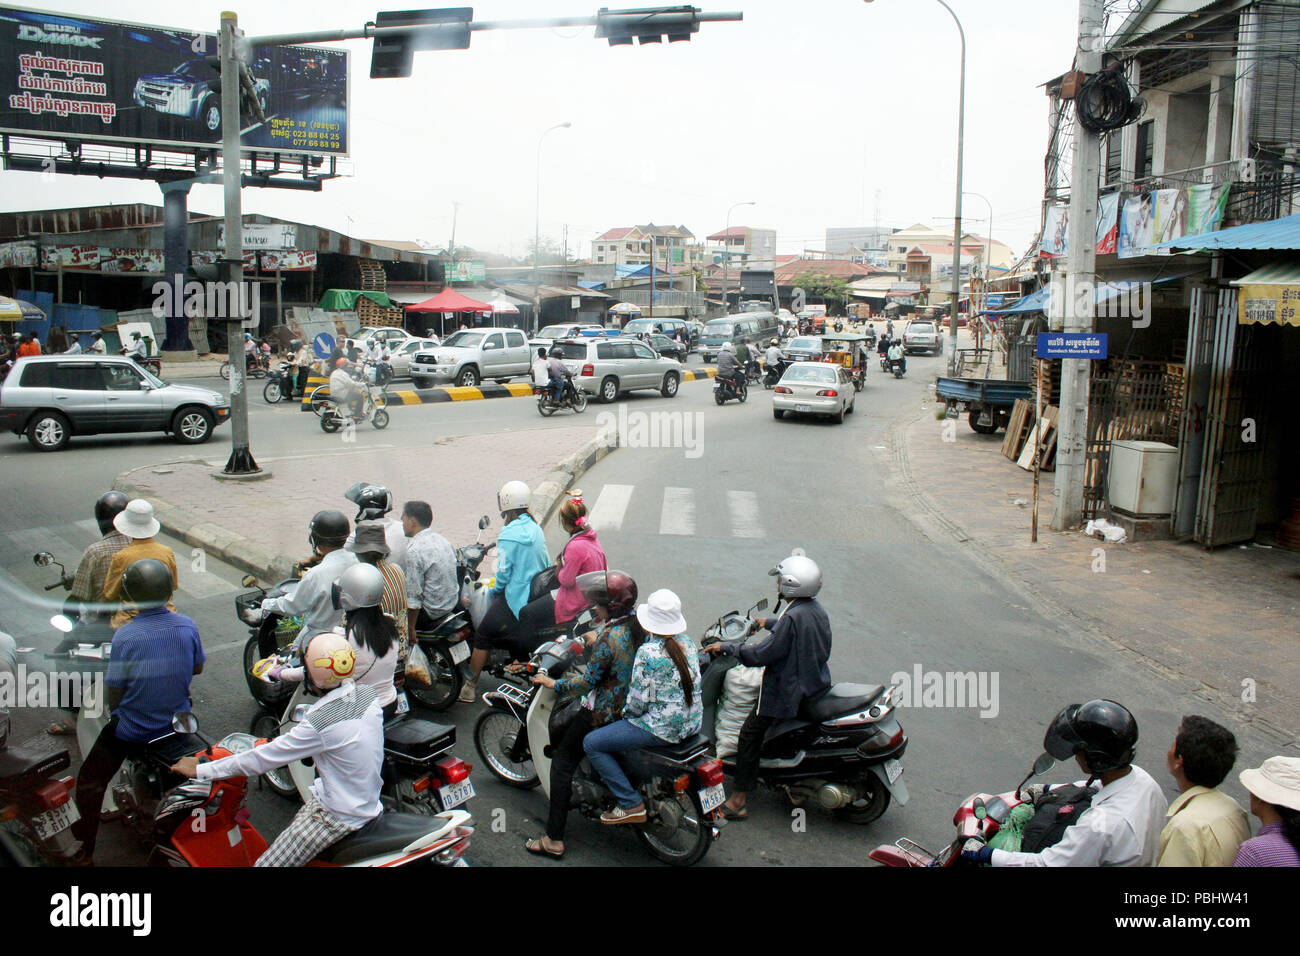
416 741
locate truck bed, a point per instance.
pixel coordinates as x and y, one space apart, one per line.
983 391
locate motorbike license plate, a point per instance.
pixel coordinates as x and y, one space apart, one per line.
403 704
893 770
803 408
717 384
56 821
459 652
454 794
712 797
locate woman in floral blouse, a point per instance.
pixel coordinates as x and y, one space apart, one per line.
663 704
612 596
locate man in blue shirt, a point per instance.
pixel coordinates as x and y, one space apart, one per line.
153 660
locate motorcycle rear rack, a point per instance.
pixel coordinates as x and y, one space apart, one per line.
913 848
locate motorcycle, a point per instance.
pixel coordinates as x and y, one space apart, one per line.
279 384
774 372
447 643
725 388
978 819
268 636
843 749
420 772
897 366
205 823
373 407
153 364
571 397
753 372
680 784
254 367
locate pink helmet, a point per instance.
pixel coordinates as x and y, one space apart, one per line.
329 660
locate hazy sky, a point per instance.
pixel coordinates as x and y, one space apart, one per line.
824 112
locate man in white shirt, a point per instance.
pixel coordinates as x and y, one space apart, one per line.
343 734
345 391
895 354
541 371
1122 825
96 346
311 598
75 348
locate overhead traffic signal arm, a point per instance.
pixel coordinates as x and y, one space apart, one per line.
647 25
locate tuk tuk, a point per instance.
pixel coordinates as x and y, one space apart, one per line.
850 350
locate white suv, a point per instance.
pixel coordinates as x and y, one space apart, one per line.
921 336
606 367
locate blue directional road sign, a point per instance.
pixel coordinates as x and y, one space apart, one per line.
1072 345
323 345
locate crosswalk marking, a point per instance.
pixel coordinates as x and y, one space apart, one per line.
611 505
678 515
743 506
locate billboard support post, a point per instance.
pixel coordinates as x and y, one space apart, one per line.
176 260
241 456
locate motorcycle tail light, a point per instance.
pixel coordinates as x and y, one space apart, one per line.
453 769
710 773
462 634
423 784
8 813
782 390
681 783
588 370
53 794
828 393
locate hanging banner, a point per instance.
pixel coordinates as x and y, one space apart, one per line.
1164 214
17 255
289 261
1269 303
466 271
132 260
212 257
1108 224
1056 228
72 257
262 235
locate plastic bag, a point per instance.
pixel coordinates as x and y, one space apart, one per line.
417 666
740 693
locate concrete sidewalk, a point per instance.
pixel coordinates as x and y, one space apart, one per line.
261 526
1227 622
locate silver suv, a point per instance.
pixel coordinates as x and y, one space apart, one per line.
473 355
50 398
606 367
921 336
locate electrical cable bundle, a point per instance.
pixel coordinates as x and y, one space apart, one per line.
1105 102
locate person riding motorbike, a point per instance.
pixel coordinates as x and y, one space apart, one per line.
311 598
896 356
96 346
374 502
1122 825
663 703
775 359
521 553
604 685
347 393
582 553
299 368
137 350
154 657
343 734
795 660
729 367
558 372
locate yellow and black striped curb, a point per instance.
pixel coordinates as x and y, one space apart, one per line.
472 393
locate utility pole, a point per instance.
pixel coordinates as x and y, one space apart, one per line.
1080 285
451 247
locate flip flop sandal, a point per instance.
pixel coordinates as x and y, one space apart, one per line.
730 814
62 729
538 848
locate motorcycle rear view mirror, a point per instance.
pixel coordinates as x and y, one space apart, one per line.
185 723
42 559
1044 763
761 605
483 522
61 622
248 581
979 809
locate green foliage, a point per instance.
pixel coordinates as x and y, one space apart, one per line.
818 285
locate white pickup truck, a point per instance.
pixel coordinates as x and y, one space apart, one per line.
472 356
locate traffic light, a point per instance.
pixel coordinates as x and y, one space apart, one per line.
393 54
647 25
250 101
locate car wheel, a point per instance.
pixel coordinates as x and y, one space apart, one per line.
670 386
609 389
211 114
421 382
192 426
778 414
838 417
48 431
852 405
468 378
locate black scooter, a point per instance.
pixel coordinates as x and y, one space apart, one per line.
773 373
842 751
725 389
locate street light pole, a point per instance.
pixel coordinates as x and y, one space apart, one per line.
988 255
726 251
956 226
537 229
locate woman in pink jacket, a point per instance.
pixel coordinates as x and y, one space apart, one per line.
582 553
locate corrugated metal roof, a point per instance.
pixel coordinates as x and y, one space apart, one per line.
1281 233
1279 273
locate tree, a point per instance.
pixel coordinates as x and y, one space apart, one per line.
551 254
818 285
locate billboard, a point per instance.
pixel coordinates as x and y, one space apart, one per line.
104 81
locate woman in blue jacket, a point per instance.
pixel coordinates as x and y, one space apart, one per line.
521 553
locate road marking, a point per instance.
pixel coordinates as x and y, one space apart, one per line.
678 515
203 584
228 646
743 506
610 507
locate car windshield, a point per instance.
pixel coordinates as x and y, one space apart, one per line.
720 327
806 344
819 374
466 339
192 68
921 327
553 332
571 350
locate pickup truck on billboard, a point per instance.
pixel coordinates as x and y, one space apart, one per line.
188 91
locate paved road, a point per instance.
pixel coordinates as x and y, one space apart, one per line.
708 525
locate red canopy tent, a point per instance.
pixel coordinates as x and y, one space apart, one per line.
449 300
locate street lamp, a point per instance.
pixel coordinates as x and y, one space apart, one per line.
537 229
956 225
726 251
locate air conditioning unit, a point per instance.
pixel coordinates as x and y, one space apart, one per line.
1143 476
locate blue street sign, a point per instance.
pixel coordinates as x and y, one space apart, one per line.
994 300
323 345
1072 345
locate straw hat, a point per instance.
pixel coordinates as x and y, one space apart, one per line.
1275 781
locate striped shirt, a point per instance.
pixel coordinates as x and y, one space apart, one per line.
92 572
153 660
393 603
1270 848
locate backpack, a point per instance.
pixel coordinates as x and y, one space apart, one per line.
1055 812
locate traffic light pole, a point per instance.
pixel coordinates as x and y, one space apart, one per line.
241 456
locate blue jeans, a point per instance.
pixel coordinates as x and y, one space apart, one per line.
603 743
557 389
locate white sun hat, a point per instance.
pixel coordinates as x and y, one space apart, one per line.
136 520
662 614
1275 781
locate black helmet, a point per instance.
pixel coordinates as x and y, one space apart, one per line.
108 507
147 583
295 344
329 529
613 590
1102 730
372 501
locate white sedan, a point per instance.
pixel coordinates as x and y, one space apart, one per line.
814 388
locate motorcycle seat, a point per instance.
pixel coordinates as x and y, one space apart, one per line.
386 833
683 750
417 740
838 700
18 762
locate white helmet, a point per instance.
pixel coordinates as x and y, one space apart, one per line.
361 585
728 347
329 660
797 576
775 342
513 496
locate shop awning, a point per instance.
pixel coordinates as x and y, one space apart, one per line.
1281 233
1270 295
449 300
345 300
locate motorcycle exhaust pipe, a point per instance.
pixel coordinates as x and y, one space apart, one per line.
833 796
